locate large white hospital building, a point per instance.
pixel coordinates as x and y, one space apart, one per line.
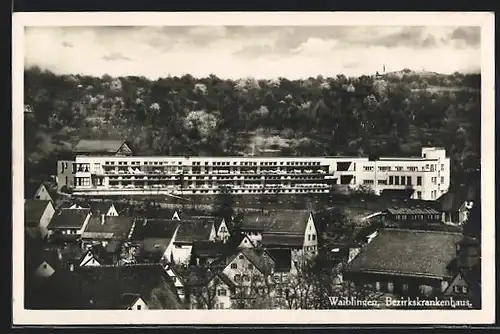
110 168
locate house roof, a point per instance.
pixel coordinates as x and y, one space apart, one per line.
113 227
398 193
154 229
207 248
193 230
260 259
98 146
413 211
103 287
217 221
453 200
69 218
285 240
283 221
128 299
33 211
101 207
409 253
282 259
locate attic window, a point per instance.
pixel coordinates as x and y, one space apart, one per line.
240 256
44 266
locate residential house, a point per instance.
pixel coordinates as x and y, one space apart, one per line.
68 224
111 232
207 289
96 208
37 216
103 147
406 262
455 205
133 301
408 215
39 191
283 229
205 252
96 255
176 277
251 271
189 232
110 288
220 226
152 240
466 284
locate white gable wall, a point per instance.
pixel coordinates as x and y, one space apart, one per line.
310 237
43 194
45 219
112 211
139 305
44 270
223 232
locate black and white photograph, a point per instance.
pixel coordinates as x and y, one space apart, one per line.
254 163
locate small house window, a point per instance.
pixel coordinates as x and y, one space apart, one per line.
44 266
222 292
139 307
250 266
237 278
314 236
234 266
404 287
240 256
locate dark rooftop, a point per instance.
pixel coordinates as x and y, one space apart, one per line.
282 259
69 218
98 146
408 252
113 227
33 211
285 240
103 287
193 230
453 200
284 221
154 228
413 211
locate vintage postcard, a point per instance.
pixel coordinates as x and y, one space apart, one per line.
253 168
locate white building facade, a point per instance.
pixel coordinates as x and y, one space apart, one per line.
90 175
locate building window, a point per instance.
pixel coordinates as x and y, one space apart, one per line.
391 180
396 180
368 182
314 236
139 307
408 180
237 278
404 288
250 266
419 180
222 292
368 168
399 168
240 256
419 194
442 179
234 266
442 167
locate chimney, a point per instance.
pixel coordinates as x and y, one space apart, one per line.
102 219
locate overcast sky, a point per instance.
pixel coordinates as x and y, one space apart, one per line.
251 51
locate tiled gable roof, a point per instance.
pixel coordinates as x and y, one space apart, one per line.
408 252
193 230
285 240
282 259
103 287
113 227
207 248
154 228
33 211
98 146
283 221
453 200
69 218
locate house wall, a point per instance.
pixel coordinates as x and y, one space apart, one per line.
310 238
223 232
45 220
456 288
243 267
246 243
139 305
398 284
112 212
44 270
181 253
42 194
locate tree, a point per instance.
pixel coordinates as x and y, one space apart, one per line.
224 203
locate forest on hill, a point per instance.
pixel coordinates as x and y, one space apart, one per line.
385 115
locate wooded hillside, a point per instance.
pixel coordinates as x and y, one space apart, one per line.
393 114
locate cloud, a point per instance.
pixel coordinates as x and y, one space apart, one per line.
258 51
468 35
116 56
